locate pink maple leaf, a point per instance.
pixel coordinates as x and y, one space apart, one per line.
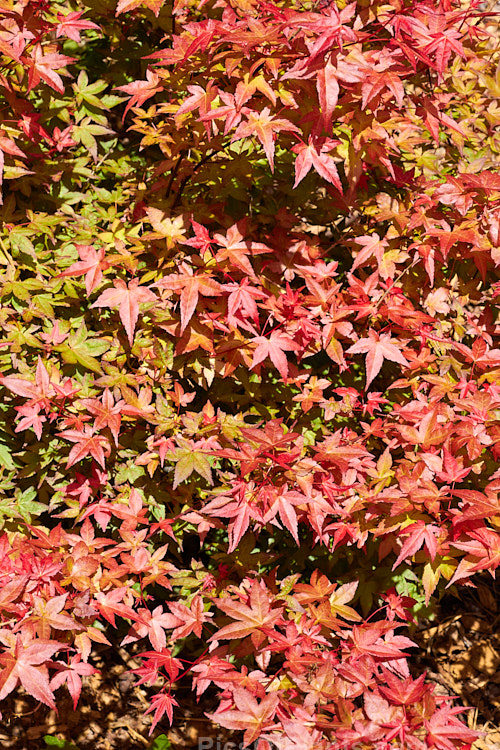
140 91
263 126
274 347
251 717
24 663
43 68
127 298
377 348
161 704
91 263
72 674
87 443
324 164
72 24
372 245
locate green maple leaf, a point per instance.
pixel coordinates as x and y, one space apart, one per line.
188 459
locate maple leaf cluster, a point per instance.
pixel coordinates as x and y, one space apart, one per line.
249 281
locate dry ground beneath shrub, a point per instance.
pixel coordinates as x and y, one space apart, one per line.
110 715
459 649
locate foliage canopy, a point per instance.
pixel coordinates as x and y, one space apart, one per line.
249 276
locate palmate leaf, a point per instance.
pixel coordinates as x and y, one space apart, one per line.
72 24
274 347
87 443
250 716
263 125
308 157
188 459
44 67
141 91
127 298
91 263
161 704
160 743
62 744
249 618
71 674
377 348
24 663
190 286
81 349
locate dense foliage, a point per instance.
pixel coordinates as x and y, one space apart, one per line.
249 276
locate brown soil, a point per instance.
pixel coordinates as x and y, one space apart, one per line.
459 650
110 714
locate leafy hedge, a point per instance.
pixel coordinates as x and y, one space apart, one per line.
249 350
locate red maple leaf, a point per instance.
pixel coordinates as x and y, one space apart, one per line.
443 727
443 42
236 249
249 618
132 512
201 240
300 734
72 24
107 413
239 508
274 348
24 663
419 533
484 545
161 704
40 390
110 604
405 691
154 662
48 614
43 68
318 589
328 91
377 348
163 659
125 6
10 591
127 298
231 114
250 717
242 300
201 100
366 639
378 80
190 287
372 245
263 126
453 193
189 619
92 264
453 470
87 443
154 626
71 674
8 146
282 503
323 163
141 91
31 418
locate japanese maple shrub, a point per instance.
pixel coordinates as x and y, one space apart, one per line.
249 276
